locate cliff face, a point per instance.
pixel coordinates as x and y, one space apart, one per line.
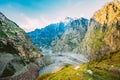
72 36
16 49
103 34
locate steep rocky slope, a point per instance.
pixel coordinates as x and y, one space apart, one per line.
71 37
16 49
104 32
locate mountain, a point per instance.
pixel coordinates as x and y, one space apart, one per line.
63 36
43 37
71 37
16 49
68 20
103 35
101 45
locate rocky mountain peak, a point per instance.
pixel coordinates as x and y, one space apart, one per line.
68 18
103 34
110 13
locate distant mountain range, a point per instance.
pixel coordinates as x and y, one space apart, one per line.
60 37
96 36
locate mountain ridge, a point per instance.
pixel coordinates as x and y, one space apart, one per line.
102 36
16 51
56 36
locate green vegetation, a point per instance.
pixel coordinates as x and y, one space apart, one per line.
2 34
104 68
107 66
96 36
10 33
67 73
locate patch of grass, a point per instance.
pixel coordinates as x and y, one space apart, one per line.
43 76
67 73
10 33
96 44
107 66
96 36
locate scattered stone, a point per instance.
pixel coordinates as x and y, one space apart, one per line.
76 67
90 72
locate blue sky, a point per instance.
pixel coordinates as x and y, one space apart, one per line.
31 14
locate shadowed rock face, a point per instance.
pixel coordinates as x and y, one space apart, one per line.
103 34
16 49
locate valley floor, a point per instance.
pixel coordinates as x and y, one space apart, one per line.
105 68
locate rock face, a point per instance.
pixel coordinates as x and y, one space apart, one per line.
71 37
16 49
103 35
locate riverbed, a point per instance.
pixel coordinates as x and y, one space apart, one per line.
59 60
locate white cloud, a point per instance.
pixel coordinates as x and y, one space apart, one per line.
29 24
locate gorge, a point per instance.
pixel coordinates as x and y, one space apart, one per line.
72 49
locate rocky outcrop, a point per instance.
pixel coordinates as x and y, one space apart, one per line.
103 35
71 37
16 49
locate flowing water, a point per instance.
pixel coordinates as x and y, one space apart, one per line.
59 60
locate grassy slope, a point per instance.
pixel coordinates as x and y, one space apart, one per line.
104 68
